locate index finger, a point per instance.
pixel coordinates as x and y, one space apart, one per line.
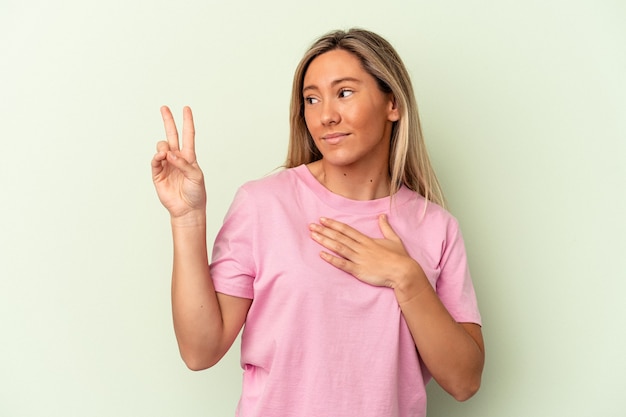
189 132
171 133
343 228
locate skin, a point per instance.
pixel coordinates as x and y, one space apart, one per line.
350 120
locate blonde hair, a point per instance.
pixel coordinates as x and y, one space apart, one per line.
408 159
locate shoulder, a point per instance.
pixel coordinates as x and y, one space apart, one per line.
257 198
273 182
441 215
424 213
277 187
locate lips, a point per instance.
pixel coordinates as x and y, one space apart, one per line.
334 138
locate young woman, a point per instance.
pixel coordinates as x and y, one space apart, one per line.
350 277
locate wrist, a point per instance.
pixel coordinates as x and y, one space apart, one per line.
411 283
194 218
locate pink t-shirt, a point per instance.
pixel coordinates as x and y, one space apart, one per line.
317 341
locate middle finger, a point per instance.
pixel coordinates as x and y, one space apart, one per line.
333 240
189 133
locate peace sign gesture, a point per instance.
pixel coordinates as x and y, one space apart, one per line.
176 175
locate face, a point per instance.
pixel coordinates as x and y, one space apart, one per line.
347 115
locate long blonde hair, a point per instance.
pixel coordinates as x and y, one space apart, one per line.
408 159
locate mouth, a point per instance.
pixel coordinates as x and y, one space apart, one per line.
334 138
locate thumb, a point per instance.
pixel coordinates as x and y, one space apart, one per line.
386 228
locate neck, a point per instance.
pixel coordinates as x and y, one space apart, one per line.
353 182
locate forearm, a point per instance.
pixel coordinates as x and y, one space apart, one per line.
453 355
196 312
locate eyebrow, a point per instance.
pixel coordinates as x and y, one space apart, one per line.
333 83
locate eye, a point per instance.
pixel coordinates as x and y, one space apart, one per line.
344 92
310 100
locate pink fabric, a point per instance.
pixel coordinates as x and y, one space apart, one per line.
317 341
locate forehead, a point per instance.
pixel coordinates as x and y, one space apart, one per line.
333 65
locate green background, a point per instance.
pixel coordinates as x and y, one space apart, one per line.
524 111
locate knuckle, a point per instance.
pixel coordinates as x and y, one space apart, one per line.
341 263
338 247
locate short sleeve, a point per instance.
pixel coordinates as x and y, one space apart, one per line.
232 264
454 286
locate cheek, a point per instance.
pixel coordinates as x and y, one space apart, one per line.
361 116
309 121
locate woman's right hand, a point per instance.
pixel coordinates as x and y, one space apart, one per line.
177 177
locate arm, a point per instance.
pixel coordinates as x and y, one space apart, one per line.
206 323
453 352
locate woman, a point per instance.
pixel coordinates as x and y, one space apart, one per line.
349 275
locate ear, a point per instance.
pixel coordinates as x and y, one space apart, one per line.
393 113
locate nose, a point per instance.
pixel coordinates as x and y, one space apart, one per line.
330 115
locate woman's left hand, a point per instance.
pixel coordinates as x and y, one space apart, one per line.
379 262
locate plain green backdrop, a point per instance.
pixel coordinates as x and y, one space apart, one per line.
523 107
